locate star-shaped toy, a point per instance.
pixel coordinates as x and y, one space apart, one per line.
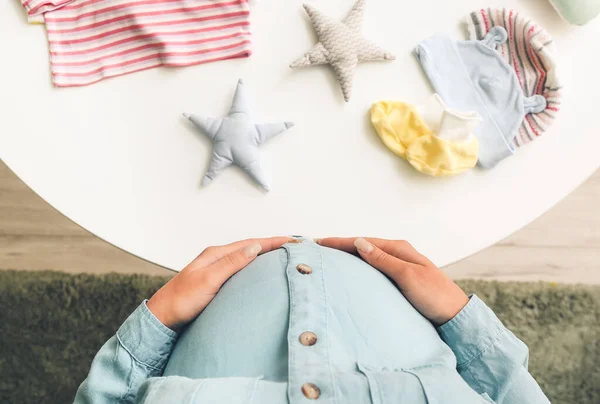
341 45
236 138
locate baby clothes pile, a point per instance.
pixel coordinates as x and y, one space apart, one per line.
493 93
506 76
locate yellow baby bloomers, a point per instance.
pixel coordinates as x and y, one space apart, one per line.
434 139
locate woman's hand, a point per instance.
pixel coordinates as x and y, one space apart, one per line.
427 288
184 297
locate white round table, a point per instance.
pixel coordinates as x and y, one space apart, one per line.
118 158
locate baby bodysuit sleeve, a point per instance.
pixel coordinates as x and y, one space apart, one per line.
36 8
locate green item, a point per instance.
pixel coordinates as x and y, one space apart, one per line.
577 12
52 325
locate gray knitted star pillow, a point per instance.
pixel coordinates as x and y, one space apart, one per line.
341 45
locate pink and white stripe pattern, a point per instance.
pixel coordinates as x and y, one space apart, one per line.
94 39
531 52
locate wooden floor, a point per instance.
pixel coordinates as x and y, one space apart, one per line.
562 246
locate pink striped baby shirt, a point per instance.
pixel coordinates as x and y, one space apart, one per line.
94 39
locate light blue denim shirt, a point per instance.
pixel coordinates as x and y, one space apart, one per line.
372 346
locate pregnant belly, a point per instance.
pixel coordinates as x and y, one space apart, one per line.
244 330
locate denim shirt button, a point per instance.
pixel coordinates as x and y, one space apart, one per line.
308 338
311 391
304 269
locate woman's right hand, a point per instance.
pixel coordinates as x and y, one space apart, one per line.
184 297
427 288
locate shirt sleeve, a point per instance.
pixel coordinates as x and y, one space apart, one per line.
140 350
490 358
36 8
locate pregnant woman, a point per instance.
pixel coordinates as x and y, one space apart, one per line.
334 321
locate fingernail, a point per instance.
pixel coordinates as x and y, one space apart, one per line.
317 240
252 250
363 245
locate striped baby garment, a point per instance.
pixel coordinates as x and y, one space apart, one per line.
94 39
532 54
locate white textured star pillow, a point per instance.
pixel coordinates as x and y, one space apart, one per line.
236 139
341 45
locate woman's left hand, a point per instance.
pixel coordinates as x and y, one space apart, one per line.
184 297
